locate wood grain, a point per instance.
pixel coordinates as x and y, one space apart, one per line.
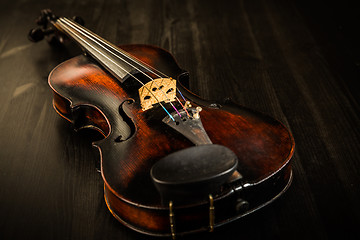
297 61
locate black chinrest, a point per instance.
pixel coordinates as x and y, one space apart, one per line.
194 172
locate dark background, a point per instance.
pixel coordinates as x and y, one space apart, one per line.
297 61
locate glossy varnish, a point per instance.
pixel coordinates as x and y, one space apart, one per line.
135 140
294 60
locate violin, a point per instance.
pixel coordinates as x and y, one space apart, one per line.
172 163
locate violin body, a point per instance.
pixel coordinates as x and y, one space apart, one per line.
135 140
172 163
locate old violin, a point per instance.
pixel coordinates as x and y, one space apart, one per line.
172 163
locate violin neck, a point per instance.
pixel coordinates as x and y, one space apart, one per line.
118 62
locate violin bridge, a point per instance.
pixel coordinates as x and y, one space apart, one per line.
156 91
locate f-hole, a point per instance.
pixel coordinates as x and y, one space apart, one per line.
127 121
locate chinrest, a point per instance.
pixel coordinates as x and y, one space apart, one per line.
193 172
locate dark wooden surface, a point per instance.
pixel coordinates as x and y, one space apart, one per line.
298 61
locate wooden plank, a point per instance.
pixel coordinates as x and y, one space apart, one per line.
285 58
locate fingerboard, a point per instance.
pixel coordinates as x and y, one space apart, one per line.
117 61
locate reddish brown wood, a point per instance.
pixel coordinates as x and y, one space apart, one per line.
135 140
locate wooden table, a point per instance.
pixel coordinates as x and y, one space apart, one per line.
294 60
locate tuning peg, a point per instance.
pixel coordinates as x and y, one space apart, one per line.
41 20
79 20
45 22
38 34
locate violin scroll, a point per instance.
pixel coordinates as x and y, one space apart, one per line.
46 29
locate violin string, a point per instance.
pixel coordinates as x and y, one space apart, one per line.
101 41
124 53
153 70
79 38
187 113
153 81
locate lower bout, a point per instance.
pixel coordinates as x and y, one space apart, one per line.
180 220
